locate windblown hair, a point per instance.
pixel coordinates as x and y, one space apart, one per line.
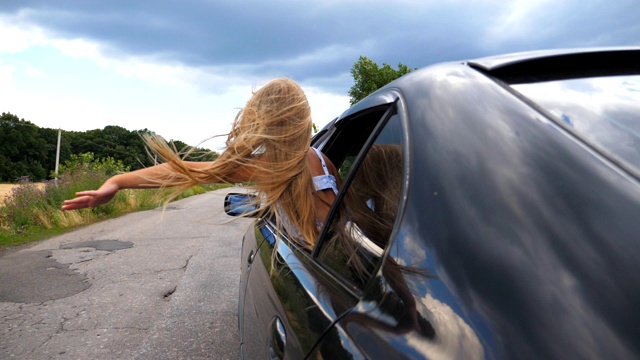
269 139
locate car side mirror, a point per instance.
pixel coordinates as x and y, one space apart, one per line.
236 204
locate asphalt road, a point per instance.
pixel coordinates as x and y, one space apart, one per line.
148 285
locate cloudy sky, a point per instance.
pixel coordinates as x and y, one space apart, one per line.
184 68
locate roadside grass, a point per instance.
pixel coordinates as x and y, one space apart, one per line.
31 212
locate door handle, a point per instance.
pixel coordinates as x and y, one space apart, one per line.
250 258
277 340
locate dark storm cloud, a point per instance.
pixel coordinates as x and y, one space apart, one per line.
321 40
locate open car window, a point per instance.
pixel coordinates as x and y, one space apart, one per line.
360 224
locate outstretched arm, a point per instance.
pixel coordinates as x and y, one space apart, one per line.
140 179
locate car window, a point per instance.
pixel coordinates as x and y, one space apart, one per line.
360 226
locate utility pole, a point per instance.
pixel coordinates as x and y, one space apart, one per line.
58 152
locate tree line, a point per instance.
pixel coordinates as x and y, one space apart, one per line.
27 150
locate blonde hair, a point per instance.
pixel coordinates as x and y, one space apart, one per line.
270 138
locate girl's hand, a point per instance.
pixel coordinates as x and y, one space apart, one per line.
91 198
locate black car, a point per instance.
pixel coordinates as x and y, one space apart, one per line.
489 209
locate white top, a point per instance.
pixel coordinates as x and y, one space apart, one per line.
326 181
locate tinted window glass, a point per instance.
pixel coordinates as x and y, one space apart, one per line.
361 227
605 111
350 137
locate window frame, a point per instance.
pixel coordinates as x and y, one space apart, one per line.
394 108
384 119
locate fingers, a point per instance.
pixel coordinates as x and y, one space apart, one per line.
72 207
86 193
89 199
80 202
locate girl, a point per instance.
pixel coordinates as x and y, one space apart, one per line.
269 145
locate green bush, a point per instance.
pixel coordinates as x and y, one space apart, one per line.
86 162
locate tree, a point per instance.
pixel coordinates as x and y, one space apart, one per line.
23 150
193 153
113 141
369 77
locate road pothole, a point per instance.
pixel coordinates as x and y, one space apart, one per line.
35 277
104 245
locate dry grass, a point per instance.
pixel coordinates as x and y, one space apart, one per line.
5 189
67 219
43 218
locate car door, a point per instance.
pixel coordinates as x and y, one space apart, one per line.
291 298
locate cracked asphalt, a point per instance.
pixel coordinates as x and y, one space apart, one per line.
148 285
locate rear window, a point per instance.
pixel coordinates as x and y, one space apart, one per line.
604 111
